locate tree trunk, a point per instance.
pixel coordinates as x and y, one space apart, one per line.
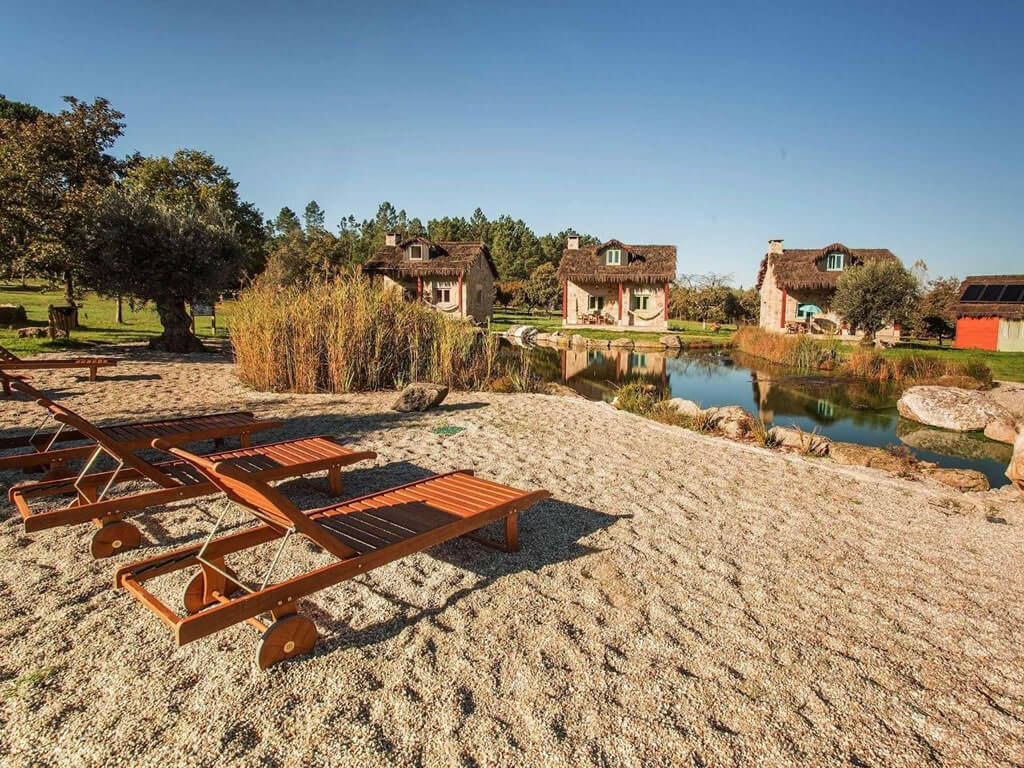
177 335
69 288
119 311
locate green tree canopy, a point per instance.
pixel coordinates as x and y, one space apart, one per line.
314 217
543 288
170 252
18 111
936 310
52 168
871 296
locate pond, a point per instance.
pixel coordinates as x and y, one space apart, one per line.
852 410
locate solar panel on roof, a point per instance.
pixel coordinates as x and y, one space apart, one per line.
972 293
1014 293
991 293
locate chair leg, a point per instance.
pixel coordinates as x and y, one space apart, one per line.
334 481
512 532
92 373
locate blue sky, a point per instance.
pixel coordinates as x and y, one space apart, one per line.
712 126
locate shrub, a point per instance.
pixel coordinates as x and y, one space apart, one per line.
351 335
636 397
794 350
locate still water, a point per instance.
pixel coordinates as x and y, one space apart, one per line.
851 410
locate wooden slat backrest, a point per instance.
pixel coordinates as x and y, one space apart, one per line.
90 430
6 354
269 504
20 385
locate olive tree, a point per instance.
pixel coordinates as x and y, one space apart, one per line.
874 295
170 253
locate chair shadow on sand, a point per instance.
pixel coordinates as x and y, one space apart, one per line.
550 532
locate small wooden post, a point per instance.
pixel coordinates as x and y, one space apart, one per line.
419 289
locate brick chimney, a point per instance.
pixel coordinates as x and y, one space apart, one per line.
391 238
775 246
574 242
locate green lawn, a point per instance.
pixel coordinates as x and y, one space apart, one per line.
1007 366
689 331
96 316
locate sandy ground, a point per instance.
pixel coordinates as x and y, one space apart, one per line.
682 600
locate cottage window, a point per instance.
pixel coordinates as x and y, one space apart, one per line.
834 262
444 293
641 299
613 257
416 252
595 303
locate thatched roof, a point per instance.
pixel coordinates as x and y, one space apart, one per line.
797 268
992 296
640 264
447 259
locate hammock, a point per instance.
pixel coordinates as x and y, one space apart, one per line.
654 314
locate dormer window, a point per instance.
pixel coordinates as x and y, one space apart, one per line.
416 252
834 262
613 257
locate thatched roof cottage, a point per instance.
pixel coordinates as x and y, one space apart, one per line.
990 314
615 284
456 277
797 286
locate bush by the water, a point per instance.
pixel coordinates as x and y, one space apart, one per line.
350 335
807 353
794 350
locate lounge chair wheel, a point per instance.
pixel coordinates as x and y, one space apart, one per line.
192 597
115 537
287 637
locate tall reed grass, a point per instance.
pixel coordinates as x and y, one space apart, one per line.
810 354
352 335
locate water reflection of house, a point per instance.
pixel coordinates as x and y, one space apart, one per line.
453 277
601 370
616 284
797 286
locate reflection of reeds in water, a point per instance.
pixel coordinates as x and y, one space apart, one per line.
351 335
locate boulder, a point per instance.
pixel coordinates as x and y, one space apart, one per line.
671 341
32 333
622 342
962 479
961 410
1010 395
577 341
420 397
1016 469
597 343
648 346
1001 430
522 332
805 442
542 338
731 420
852 454
684 406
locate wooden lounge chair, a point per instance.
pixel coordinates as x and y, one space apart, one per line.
174 481
362 533
11 362
43 453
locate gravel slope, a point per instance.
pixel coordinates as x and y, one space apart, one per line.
682 600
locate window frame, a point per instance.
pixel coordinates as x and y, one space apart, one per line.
416 252
595 299
608 257
831 260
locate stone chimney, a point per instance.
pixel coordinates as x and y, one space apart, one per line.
775 246
574 242
391 238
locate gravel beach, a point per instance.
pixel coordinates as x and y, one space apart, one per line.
682 600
